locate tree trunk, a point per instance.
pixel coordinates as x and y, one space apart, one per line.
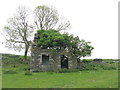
25 53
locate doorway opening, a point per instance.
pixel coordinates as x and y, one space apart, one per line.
64 61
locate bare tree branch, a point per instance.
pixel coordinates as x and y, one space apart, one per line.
48 18
18 30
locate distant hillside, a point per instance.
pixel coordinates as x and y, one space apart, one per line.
12 59
17 59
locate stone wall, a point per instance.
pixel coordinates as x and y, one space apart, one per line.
36 60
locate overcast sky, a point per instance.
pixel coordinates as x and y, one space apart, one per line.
93 20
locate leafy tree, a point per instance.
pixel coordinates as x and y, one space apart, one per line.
54 40
47 17
80 48
50 39
18 31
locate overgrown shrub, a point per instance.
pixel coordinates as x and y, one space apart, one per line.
98 66
63 70
108 66
26 68
28 73
88 66
67 70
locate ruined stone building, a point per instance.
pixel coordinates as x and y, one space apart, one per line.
43 60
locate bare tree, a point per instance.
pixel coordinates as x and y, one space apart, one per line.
18 31
48 18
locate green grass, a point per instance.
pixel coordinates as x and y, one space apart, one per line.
14 76
82 79
0 77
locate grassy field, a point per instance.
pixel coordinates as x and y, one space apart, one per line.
0 77
82 79
92 76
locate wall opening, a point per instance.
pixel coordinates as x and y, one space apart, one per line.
64 61
45 59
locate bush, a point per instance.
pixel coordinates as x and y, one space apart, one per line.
98 66
26 68
9 72
63 70
88 66
28 73
108 66
67 70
